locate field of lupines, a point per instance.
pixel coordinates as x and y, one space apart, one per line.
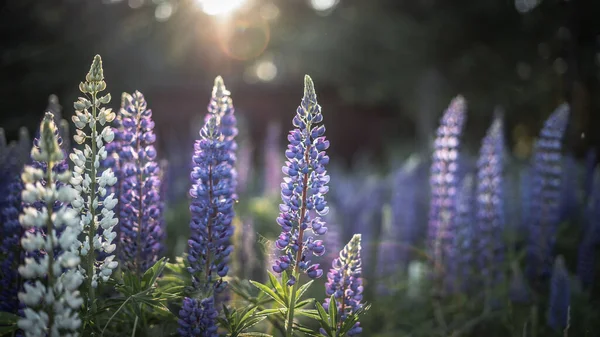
452 245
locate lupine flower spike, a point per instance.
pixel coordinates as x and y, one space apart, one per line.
221 105
546 195
141 233
91 181
490 209
51 294
344 282
12 159
198 318
303 190
444 183
211 208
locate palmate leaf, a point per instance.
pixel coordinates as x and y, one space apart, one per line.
278 297
329 320
238 321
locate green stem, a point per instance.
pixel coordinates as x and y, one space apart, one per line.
138 255
50 252
290 319
295 272
92 226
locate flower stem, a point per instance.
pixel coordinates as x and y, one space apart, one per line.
50 252
138 255
92 226
295 272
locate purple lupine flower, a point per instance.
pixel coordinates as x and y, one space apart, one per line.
198 318
463 255
490 208
303 190
211 207
404 211
345 283
221 105
141 231
560 296
444 183
10 247
586 260
546 194
272 159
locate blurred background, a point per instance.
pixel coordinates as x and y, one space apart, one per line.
384 69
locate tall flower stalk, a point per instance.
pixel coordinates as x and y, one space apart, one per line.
141 231
344 282
51 293
444 183
93 203
490 208
302 192
546 195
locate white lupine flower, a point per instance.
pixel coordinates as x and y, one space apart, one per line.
42 299
110 202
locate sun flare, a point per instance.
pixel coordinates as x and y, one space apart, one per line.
220 7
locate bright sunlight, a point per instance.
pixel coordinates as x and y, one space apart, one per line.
220 7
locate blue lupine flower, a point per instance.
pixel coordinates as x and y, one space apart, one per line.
490 208
211 207
444 183
399 227
10 247
141 231
463 255
303 190
198 318
560 296
221 105
345 283
546 195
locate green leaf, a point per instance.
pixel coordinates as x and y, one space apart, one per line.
278 298
303 289
304 303
311 313
254 334
7 318
324 321
152 273
268 312
333 311
307 330
278 288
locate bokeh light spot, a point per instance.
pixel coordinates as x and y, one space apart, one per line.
266 71
269 11
244 39
163 11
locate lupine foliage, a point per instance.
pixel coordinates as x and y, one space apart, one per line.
80 251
